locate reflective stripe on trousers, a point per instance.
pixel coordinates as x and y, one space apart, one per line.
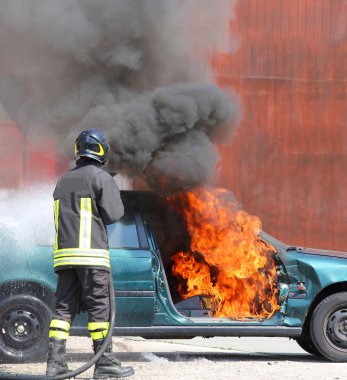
98 330
59 329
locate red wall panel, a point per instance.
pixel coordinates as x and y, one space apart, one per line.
287 162
40 162
11 148
22 162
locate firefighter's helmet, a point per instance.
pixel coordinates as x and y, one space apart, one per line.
92 143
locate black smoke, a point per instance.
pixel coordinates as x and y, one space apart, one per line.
131 68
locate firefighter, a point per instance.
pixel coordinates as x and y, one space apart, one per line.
86 199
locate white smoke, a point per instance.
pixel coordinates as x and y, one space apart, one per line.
27 217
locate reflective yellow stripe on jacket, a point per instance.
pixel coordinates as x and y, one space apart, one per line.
75 257
85 223
56 222
83 255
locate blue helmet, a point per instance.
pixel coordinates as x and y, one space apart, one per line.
92 143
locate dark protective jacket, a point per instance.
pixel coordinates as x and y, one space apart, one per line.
86 199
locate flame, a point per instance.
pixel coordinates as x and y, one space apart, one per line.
227 260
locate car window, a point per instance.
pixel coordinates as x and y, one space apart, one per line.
123 234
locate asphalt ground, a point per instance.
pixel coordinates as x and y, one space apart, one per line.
202 359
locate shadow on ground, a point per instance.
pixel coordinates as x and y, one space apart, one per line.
213 356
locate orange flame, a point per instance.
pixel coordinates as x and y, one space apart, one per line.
227 260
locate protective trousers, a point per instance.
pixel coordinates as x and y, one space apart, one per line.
92 287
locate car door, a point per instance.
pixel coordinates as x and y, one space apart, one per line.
133 277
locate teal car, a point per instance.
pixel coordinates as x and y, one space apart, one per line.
311 287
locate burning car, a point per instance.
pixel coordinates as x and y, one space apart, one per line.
188 265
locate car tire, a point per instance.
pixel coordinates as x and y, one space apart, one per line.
24 324
329 327
306 343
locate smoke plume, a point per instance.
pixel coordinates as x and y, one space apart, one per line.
135 69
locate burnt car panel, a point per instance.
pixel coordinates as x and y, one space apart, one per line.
308 276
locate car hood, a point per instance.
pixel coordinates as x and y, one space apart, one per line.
322 252
282 247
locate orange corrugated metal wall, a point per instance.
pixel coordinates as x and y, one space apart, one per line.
288 161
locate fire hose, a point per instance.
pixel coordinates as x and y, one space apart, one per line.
86 366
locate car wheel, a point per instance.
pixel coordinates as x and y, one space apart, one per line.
24 324
329 327
306 343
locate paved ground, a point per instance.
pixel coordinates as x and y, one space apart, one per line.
249 345
205 359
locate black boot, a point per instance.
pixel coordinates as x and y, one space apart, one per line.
108 365
56 364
